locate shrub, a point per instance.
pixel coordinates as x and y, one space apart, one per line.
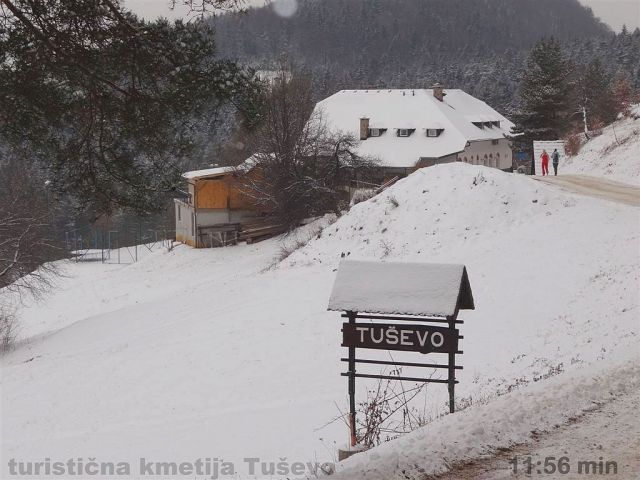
8 329
572 144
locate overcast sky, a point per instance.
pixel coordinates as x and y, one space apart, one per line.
614 12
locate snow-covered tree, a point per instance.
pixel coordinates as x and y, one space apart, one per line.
544 94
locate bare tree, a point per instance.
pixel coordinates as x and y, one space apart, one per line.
300 167
205 7
27 240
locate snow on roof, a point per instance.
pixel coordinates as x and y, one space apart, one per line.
425 289
413 109
207 172
245 166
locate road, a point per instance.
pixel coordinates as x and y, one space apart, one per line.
607 435
595 187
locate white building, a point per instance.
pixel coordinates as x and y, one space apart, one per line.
409 129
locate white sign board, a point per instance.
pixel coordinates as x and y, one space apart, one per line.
548 145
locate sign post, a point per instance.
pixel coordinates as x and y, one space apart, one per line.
452 368
428 296
352 383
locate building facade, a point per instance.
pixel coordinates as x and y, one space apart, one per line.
408 129
214 209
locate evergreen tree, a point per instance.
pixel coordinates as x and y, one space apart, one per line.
108 103
545 102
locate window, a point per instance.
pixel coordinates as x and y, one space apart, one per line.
403 132
496 124
479 124
179 213
193 224
495 142
432 132
374 132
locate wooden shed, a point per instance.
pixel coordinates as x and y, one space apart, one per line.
215 209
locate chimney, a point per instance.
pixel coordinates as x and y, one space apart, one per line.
364 128
438 91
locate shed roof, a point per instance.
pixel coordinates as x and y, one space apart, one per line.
245 166
395 288
207 172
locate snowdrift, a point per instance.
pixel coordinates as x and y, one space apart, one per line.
614 155
212 353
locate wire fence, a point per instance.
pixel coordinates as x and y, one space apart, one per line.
90 244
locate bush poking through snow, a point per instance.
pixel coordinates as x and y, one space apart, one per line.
478 179
387 248
387 411
362 195
572 144
300 237
393 201
8 329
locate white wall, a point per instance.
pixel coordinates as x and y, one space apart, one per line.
213 216
184 222
184 214
486 153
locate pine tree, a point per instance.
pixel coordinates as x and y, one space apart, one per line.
545 102
108 103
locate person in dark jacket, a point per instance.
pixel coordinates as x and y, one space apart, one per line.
555 157
545 163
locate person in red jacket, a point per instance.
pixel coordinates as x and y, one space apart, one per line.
545 162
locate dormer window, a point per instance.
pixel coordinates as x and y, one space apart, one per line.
478 124
403 132
434 132
496 124
487 124
375 132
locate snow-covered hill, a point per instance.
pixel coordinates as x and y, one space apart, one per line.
615 154
211 353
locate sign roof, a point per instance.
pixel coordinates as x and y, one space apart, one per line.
395 288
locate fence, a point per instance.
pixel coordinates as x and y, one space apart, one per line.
116 246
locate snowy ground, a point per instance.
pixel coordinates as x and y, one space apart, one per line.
614 155
608 432
211 353
517 418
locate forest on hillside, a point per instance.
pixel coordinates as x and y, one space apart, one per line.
479 46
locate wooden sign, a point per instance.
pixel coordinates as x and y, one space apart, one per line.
400 292
390 336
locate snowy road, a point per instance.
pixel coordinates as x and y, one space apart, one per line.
609 433
596 187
